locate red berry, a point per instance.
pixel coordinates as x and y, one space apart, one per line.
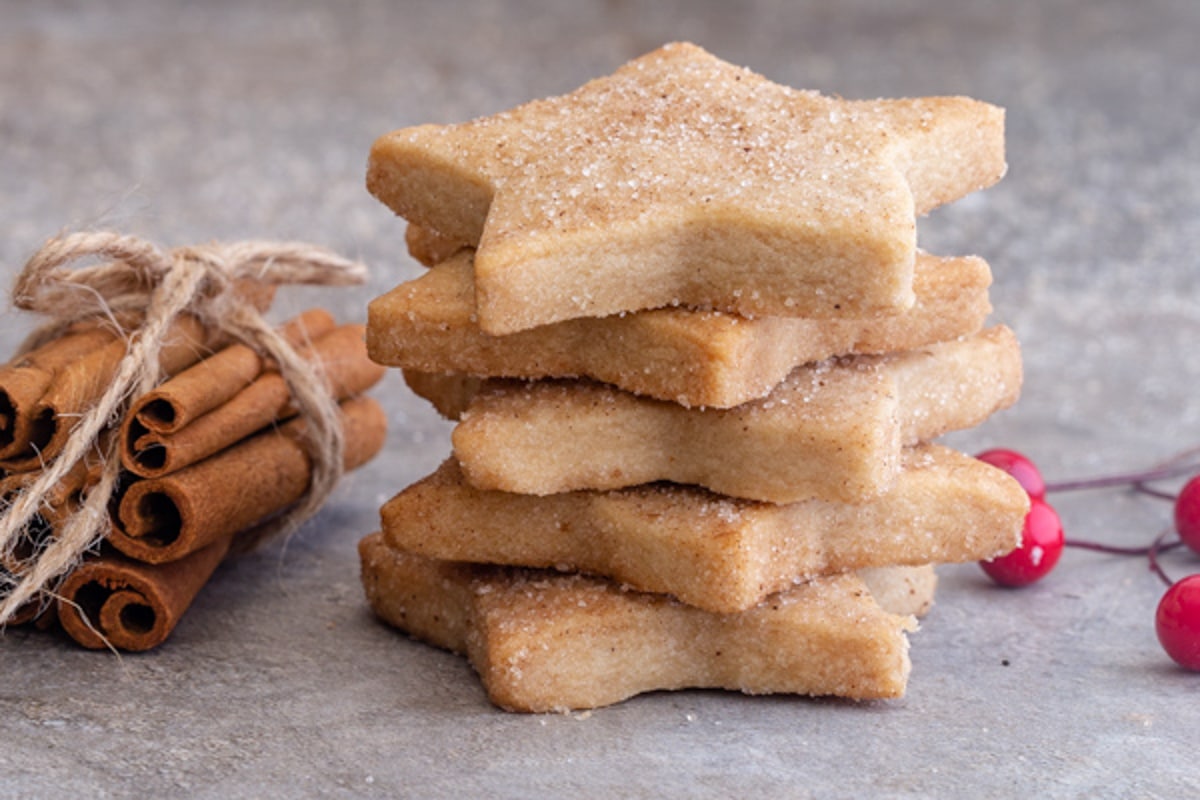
1041 545
1020 467
1177 622
1187 514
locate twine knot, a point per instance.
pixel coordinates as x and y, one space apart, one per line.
218 284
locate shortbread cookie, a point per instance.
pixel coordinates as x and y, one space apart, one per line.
430 248
710 551
902 590
690 358
683 180
834 429
450 394
542 641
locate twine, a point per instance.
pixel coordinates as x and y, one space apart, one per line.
136 276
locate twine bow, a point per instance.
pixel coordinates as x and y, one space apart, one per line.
135 276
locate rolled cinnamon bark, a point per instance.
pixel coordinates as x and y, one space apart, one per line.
113 600
24 381
32 539
37 611
213 382
150 453
163 519
62 499
9 576
82 474
41 613
79 384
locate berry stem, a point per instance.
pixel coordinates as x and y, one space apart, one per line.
1146 489
1182 463
1157 547
1126 478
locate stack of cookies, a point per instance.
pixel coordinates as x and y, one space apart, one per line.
698 363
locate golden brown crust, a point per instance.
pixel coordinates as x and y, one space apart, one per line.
451 394
713 281
542 641
710 551
690 358
430 248
683 180
832 429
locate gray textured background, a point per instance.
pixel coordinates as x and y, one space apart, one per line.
188 122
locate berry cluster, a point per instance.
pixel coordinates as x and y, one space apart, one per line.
1177 620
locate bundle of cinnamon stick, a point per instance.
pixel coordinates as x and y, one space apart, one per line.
208 457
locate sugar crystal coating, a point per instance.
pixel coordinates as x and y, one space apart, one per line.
710 551
681 179
832 429
711 215
689 357
546 642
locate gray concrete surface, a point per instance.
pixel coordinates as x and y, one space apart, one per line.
187 122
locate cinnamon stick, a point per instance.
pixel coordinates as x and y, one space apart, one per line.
69 488
62 499
27 612
79 384
131 605
41 612
213 382
14 563
165 518
150 453
37 611
67 370
25 380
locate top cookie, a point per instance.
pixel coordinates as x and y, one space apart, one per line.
683 180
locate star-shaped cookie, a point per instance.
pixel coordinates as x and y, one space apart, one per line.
546 641
710 551
691 358
684 180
